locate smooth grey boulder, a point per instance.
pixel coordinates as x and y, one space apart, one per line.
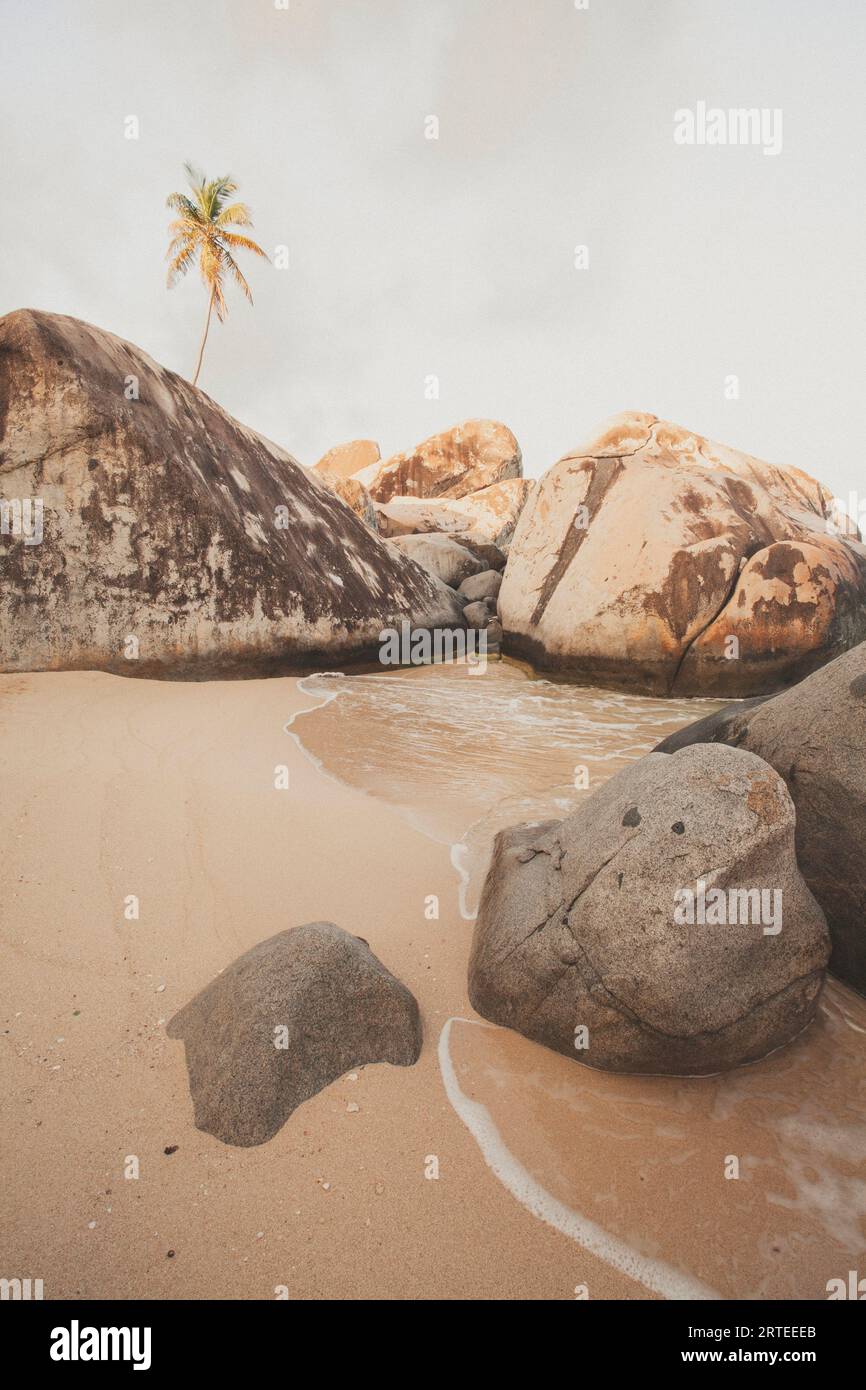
583 940
814 735
283 1021
477 614
441 557
485 585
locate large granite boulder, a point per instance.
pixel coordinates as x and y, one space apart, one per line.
461 460
283 1021
442 557
488 516
814 735
175 540
663 927
651 558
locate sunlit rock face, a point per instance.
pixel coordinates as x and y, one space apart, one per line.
174 540
467 458
345 459
650 558
488 517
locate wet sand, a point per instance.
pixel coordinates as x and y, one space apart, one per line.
552 1178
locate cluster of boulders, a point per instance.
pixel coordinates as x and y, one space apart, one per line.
174 540
648 558
682 919
451 504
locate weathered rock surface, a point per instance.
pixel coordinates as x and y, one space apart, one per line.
477 614
283 1021
171 530
356 496
447 560
654 559
493 557
486 517
345 459
459 461
480 586
814 735
578 926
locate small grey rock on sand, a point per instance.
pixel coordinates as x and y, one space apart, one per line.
341 1009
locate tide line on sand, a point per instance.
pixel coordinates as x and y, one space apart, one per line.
656 1275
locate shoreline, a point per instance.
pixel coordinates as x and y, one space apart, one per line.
166 790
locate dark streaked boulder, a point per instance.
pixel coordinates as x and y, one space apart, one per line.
176 541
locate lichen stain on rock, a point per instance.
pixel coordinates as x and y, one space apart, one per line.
694 577
765 799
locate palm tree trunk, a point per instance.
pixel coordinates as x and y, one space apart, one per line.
203 338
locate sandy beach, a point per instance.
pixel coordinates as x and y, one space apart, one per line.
432 674
116 787
167 791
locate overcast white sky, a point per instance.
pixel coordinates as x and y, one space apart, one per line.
455 257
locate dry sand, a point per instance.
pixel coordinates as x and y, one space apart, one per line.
115 787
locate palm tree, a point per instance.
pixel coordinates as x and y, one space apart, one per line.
202 230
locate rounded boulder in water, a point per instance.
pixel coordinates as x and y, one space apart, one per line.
664 927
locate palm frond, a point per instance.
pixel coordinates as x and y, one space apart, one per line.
181 262
219 300
179 202
184 226
235 215
181 240
214 194
236 273
243 242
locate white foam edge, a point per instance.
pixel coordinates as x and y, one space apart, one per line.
655 1275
